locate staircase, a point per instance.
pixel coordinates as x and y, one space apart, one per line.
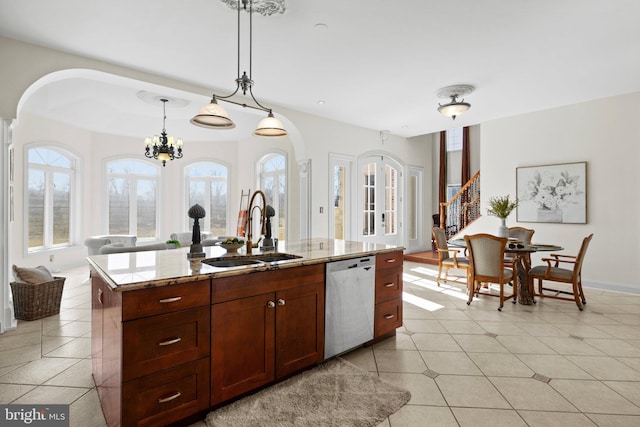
462 209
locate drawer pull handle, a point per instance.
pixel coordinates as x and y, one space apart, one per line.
281 302
271 304
389 285
174 396
170 341
100 296
168 300
390 260
389 316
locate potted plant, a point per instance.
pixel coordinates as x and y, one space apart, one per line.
502 206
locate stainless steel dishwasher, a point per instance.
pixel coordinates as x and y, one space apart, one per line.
350 300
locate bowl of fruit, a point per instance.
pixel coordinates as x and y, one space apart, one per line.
232 244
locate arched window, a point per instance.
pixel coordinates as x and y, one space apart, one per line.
273 181
133 198
207 185
50 197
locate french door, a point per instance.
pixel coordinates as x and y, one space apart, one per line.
380 200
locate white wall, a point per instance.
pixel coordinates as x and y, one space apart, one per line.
322 136
606 134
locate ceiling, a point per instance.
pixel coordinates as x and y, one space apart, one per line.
375 63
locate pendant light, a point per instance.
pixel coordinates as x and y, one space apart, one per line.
214 116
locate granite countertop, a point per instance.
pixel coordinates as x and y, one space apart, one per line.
139 270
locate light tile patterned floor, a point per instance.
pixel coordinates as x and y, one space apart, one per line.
543 365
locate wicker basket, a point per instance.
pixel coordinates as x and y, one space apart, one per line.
35 301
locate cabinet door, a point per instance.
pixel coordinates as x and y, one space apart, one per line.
388 317
164 341
388 284
167 396
299 328
242 346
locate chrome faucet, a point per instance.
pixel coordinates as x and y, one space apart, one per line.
250 244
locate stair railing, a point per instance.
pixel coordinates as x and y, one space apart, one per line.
462 209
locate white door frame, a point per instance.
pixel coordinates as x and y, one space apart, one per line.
417 244
382 159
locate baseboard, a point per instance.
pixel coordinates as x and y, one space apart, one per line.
622 288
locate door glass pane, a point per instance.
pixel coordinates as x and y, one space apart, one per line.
391 200
61 207
118 206
338 202
146 201
36 208
369 190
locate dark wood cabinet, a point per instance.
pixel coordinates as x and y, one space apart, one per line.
163 354
257 339
242 346
388 309
150 351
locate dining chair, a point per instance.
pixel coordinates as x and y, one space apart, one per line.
554 273
448 257
524 235
486 264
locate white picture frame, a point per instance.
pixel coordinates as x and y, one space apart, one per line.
552 193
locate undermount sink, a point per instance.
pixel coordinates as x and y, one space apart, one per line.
275 257
232 262
250 260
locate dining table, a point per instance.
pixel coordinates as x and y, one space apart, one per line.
521 254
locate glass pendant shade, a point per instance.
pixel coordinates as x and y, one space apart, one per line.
455 108
213 115
270 126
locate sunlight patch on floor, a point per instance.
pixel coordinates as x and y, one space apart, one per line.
425 271
421 302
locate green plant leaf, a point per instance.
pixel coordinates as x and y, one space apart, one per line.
501 206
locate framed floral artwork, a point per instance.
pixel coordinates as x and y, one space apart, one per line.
552 193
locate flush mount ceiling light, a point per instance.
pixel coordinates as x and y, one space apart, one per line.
263 7
163 147
455 107
213 115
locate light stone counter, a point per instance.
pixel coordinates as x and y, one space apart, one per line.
138 270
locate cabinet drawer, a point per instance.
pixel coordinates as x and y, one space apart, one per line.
388 284
165 299
166 396
160 342
389 260
388 317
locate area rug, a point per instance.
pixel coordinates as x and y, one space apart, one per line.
336 393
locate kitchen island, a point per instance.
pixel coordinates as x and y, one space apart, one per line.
173 337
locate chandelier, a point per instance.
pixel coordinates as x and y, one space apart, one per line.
214 116
163 147
454 107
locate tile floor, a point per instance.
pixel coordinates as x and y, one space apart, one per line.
542 365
